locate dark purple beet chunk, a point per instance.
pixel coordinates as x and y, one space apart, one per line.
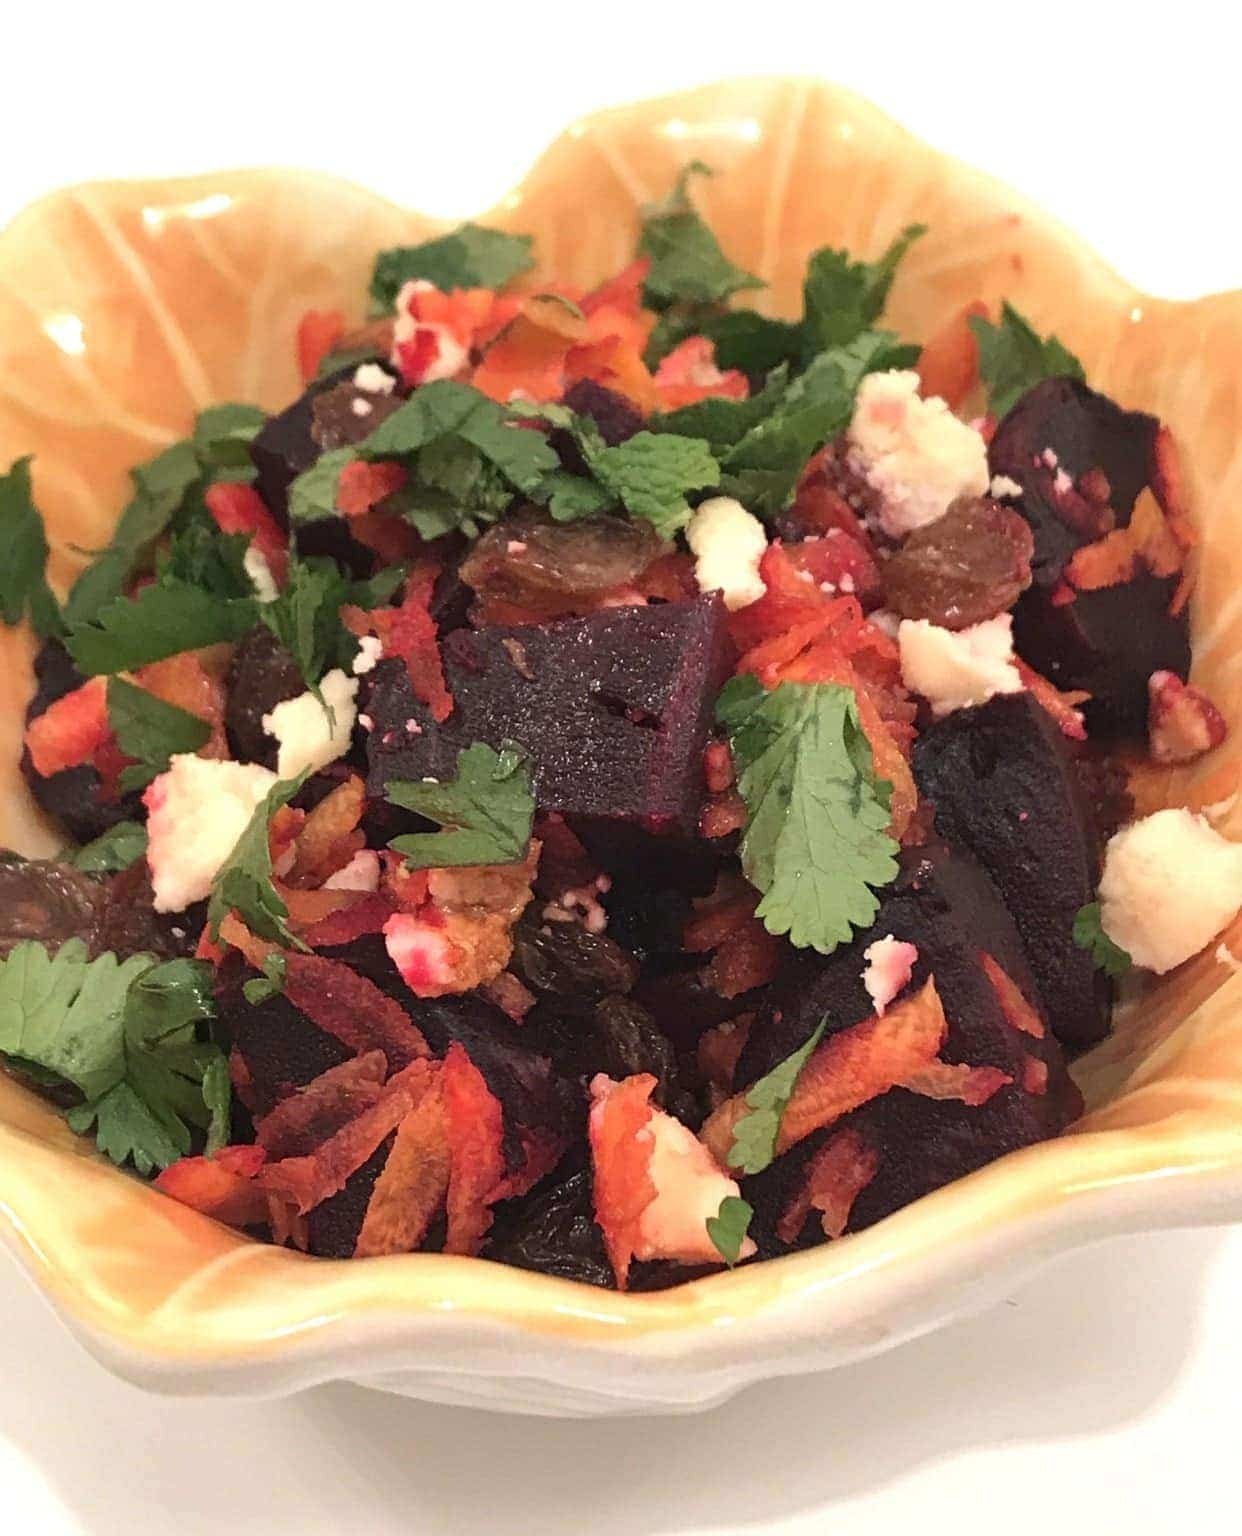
333 1226
1107 642
262 674
72 797
1085 430
945 904
1003 785
617 419
280 1046
614 714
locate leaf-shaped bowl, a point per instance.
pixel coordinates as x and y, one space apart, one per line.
126 306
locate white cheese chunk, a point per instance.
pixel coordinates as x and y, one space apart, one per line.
309 735
196 812
955 669
728 542
370 652
260 572
890 963
374 379
362 873
1002 485
1170 884
914 452
689 1187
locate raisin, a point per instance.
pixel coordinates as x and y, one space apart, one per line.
968 566
564 960
47 902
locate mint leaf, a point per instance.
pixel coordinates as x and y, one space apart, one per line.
24 591
1089 934
223 434
487 811
730 1226
161 620
755 1134
312 496
272 982
244 881
743 339
650 475
113 850
724 423
306 616
763 467
816 842
469 257
1013 358
148 729
687 264
841 297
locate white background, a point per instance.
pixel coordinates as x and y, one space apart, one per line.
1102 1398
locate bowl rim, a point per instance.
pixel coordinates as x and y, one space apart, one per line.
986 1218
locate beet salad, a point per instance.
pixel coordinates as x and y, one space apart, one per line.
609 782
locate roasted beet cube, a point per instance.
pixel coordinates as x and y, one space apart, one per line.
947 906
74 797
1003 784
613 711
332 1227
262 674
1080 459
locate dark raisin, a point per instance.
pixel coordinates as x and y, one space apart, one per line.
967 566
262 675
46 902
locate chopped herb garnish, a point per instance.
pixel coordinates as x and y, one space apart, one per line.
24 592
223 434
272 982
112 851
306 617
730 1226
755 1134
162 619
469 257
1089 935
1013 358
244 882
816 842
842 298
687 264
651 476
486 811
148 729
124 1035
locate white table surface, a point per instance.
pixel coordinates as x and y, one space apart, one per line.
1104 1396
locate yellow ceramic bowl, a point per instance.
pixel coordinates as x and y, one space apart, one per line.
125 307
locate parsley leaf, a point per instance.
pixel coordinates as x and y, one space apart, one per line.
447 408
272 982
842 298
816 842
687 264
113 850
1089 935
202 556
761 469
306 616
23 570
755 1134
148 729
730 1226
243 883
1013 358
162 619
223 434
469 257
488 810
312 496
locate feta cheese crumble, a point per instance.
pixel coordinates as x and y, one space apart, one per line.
728 542
373 379
1002 485
370 653
1170 884
955 669
197 810
254 562
362 873
309 735
890 963
914 452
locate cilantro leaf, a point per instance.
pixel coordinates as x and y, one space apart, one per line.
306 616
755 1134
160 487
730 1226
243 883
272 982
148 729
650 475
23 570
113 850
762 468
842 298
162 619
1089 934
223 434
66 1013
1013 358
469 257
816 842
201 556
487 809
687 264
